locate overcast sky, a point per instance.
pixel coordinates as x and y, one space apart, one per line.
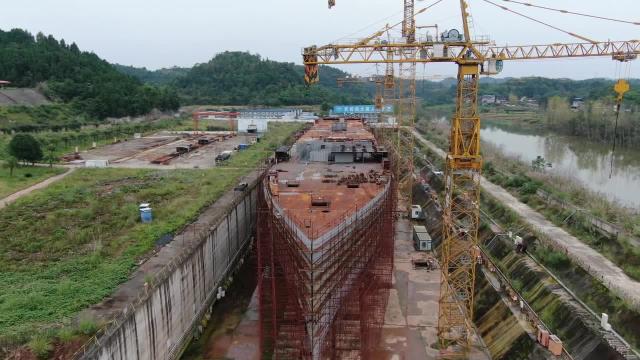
164 33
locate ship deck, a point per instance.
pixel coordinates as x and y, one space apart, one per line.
319 195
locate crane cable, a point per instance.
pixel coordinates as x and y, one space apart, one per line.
387 27
573 12
416 13
541 22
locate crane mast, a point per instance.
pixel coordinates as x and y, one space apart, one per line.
463 163
406 109
463 166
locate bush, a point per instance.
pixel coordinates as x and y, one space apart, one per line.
488 168
529 188
40 347
516 181
88 327
66 334
554 259
28 175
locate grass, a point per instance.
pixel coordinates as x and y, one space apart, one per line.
40 346
23 177
52 116
279 134
71 244
68 246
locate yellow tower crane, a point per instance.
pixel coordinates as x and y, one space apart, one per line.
378 80
463 162
406 96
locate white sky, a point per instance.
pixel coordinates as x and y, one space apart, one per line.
163 33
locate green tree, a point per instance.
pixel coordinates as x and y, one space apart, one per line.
11 163
241 78
91 84
25 147
50 157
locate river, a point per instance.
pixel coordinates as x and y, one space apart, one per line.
585 161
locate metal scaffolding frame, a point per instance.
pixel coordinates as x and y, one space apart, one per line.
326 300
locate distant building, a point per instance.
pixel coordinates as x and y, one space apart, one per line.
364 111
488 100
257 120
215 115
577 103
501 100
4 83
529 102
270 113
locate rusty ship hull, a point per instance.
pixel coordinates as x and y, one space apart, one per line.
325 244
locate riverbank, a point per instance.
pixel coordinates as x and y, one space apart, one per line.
555 307
582 182
598 266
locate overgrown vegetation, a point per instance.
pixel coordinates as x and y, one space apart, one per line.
521 181
54 117
534 285
23 177
68 246
156 77
63 142
596 121
541 89
63 71
240 78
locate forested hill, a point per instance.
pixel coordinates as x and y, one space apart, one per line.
240 78
155 77
539 88
64 72
543 88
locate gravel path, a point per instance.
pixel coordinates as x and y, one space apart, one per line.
41 185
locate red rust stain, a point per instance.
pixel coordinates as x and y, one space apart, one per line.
333 186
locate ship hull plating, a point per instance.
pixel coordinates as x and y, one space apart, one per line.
324 269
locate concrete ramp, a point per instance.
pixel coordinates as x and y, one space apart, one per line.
26 97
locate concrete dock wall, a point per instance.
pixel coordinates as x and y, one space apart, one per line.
163 319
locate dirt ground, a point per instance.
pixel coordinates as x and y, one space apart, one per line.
138 153
411 320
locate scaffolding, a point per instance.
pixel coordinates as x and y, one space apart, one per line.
323 292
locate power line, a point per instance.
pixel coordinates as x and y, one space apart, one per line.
541 22
387 27
573 12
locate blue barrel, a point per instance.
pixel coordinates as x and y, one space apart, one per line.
145 215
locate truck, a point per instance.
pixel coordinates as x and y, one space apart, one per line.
225 155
